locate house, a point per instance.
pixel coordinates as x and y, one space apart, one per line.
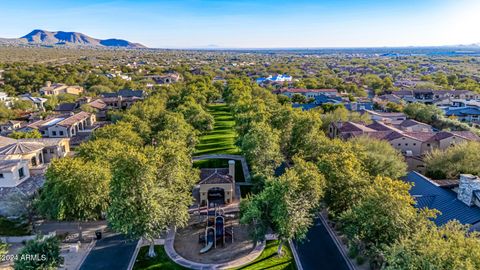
433 96
309 93
217 185
122 99
387 117
64 126
10 126
274 79
17 187
465 114
100 108
8 101
37 152
412 138
59 88
462 206
164 79
37 101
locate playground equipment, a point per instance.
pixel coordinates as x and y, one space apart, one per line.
215 230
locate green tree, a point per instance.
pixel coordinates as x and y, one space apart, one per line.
75 190
453 161
423 113
261 146
451 246
121 131
385 214
287 204
45 250
379 158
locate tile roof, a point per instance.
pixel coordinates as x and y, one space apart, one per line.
71 120
428 195
20 148
215 176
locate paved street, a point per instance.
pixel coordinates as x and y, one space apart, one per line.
111 252
319 252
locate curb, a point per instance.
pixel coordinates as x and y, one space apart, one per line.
89 248
295 255
135 254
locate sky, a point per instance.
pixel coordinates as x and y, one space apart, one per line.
252 23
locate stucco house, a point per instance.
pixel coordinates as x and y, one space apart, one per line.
59 88
63 126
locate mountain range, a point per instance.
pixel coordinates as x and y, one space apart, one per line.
49 38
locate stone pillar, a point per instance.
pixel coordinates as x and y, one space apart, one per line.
468 184
231 172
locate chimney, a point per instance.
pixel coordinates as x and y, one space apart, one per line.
231 172
48 83
468 185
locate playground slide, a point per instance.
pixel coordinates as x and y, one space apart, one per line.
209 245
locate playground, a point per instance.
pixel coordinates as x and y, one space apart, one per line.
190 245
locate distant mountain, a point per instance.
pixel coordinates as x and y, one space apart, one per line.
48 38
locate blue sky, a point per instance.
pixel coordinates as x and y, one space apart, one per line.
252 23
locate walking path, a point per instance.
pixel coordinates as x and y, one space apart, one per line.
174 256
246 172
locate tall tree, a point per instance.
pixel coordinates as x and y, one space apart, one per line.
75 190
41 253
379 157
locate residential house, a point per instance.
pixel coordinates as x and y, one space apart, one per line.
217 185
412 138
434 96
64 126
164 79
387 117
8 101
122 99
59 88
10 126
461 205
67 107
100 108
37 101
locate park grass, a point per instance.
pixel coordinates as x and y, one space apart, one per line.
220 140
13 228
269 259
161 261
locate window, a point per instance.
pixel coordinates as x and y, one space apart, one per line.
21 173
61 133
399 144
414 143
52 151
1 175
406 144
54 133
428 144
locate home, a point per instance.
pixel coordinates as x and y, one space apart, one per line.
434 96
217 185
17 187
412 138
309 93
37 101
10 126
164 79
59 88
37 152
461 204
67 107
100 108
64 126
122 99
387 117
8 101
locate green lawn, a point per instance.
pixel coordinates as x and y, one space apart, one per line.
220 140
12 228
269 259
161 261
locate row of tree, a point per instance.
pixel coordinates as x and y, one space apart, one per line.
137 172
355 181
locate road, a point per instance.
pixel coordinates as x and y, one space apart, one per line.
319 251
111 252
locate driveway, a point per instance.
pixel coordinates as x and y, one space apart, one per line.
113 251
319 251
